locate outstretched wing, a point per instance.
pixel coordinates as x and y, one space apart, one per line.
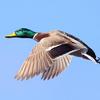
37 61
57 67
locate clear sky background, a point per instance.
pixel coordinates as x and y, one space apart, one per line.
81 81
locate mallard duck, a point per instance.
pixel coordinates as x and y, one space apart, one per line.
52 54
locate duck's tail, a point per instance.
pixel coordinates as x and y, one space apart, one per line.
98 60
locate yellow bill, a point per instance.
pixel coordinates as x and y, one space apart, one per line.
11 35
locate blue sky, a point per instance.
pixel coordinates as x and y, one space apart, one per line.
81 81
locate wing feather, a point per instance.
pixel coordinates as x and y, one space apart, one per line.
33 64
57 67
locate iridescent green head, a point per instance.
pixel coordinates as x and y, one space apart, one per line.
22 33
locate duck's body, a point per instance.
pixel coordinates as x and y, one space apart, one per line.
62 40
53 54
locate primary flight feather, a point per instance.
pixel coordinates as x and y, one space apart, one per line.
52 54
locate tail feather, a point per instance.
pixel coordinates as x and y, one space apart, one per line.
89 57
98 60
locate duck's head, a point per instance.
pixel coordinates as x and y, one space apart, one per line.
22 33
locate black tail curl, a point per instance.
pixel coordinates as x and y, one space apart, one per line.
98 60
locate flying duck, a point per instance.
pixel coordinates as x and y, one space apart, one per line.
52 54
